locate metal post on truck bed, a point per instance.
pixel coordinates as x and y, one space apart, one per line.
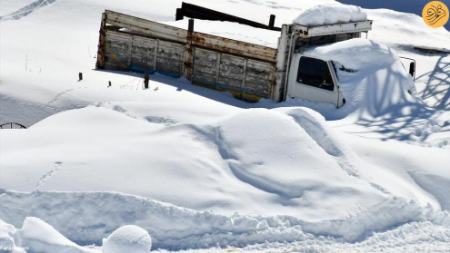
188 58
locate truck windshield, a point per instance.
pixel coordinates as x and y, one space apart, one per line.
314 72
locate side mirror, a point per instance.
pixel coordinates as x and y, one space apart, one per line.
412 66
412 69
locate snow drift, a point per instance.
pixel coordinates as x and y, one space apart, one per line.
284 161
171 227
253 161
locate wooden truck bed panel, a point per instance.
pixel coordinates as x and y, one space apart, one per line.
130 43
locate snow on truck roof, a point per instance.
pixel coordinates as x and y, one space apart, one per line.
355 54
330 14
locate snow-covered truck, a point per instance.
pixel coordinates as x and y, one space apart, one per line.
247 70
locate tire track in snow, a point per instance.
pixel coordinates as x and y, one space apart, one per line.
26 10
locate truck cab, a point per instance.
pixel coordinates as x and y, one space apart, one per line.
314 78
306 76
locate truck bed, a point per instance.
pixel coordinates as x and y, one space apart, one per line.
232 31
247 70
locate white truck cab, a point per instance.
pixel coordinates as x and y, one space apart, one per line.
305 76
314 79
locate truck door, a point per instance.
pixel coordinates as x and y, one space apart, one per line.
315 80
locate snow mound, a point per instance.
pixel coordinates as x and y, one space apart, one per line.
273 152
38 236
7 231
330 14
130 238
252 161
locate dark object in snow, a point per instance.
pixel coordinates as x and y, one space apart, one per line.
12 125
199 12
146 80
272 21
109 84
412 69
80 76
191 25
412 66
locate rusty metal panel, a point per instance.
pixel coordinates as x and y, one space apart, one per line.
117 50
170 58
143 53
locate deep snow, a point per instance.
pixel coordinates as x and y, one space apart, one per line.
299 182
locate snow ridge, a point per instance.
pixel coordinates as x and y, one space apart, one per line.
171 227
27 10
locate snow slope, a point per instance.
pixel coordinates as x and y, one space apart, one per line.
114 155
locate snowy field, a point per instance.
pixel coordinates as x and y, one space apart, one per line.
204 172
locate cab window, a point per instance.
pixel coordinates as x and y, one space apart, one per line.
314 72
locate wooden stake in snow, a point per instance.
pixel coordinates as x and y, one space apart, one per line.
146 80
109 84
80 76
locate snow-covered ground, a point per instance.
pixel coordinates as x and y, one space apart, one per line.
200 170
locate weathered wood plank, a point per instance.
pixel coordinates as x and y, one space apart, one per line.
170 58
142 54
232 67
145 27
117 50
236 47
